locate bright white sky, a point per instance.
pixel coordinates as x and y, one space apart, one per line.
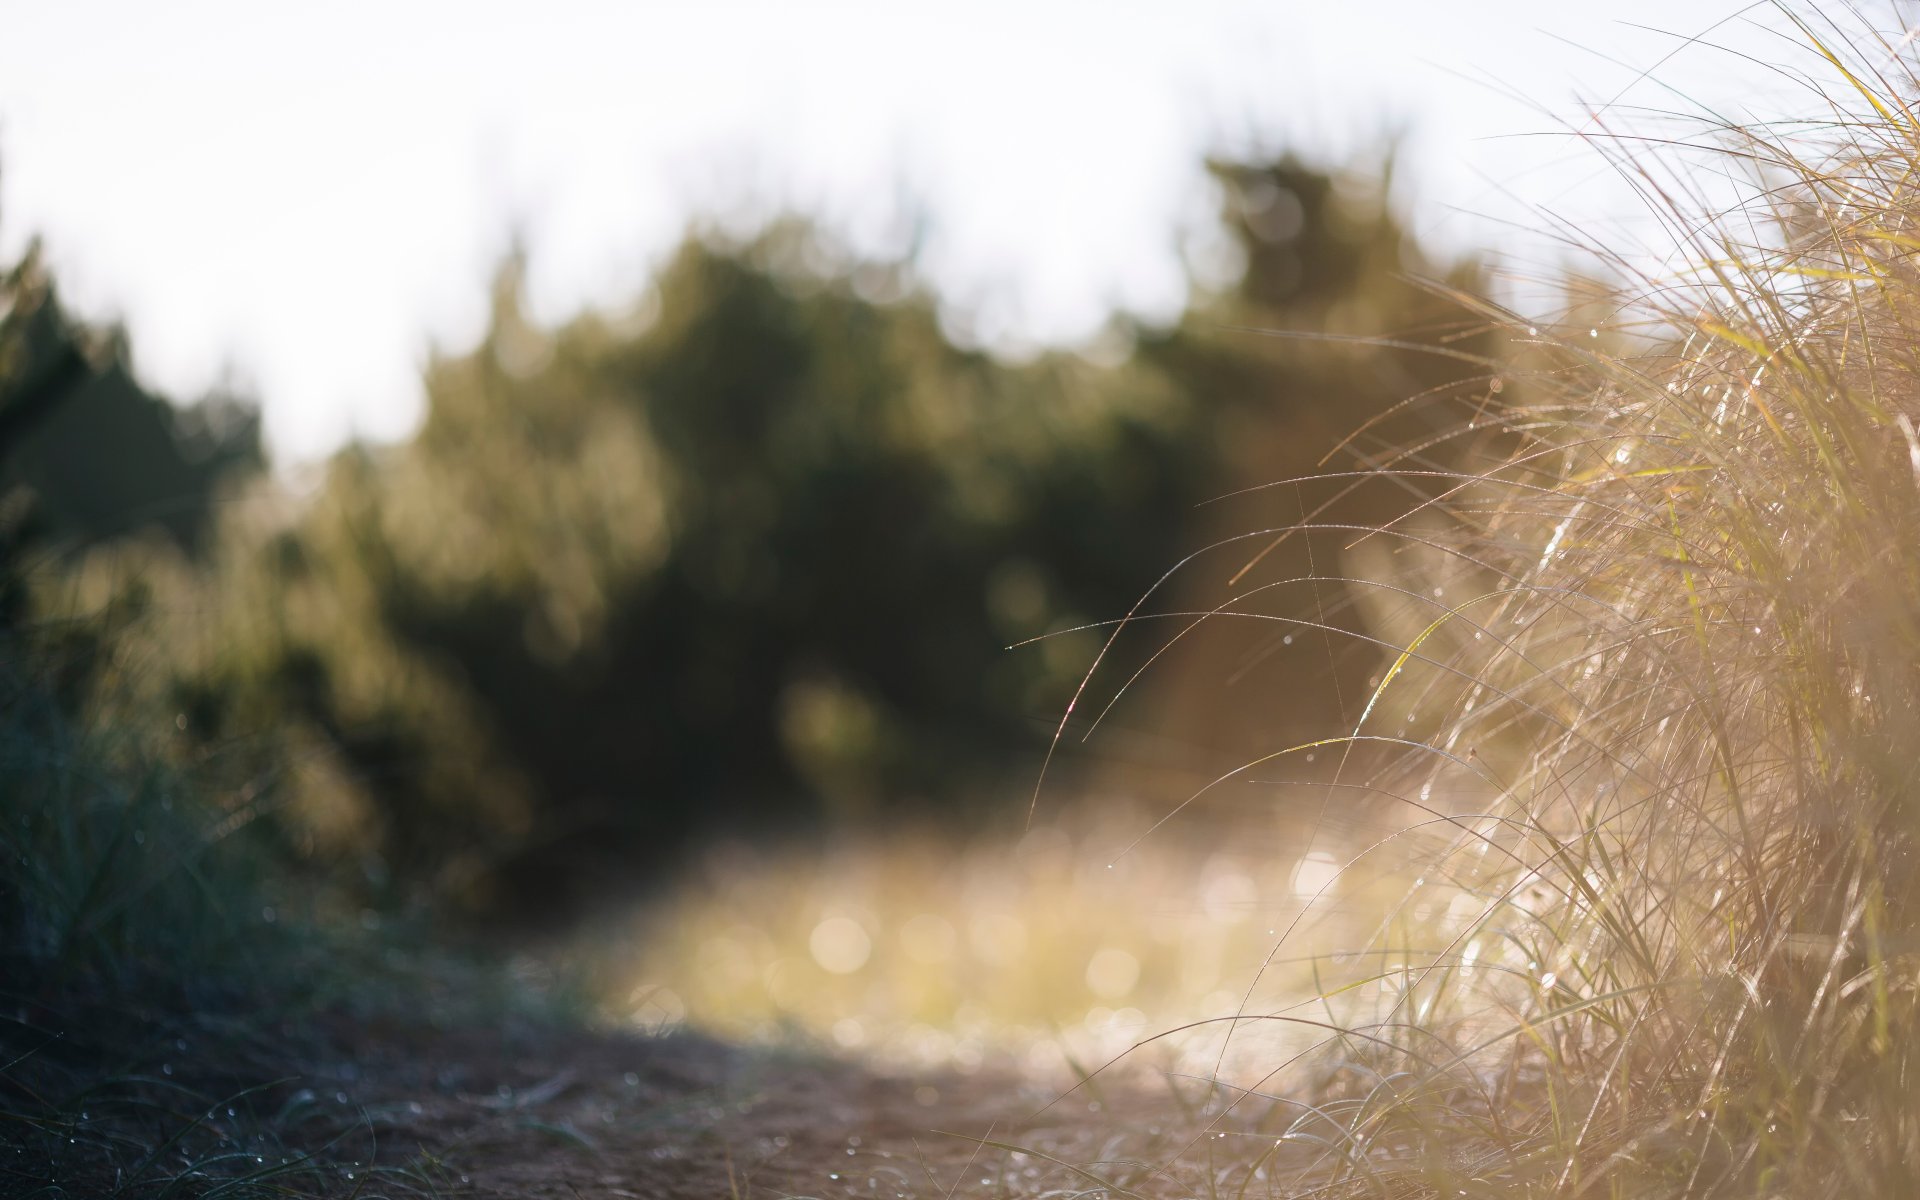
307 197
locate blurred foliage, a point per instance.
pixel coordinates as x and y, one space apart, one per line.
132 891
748 555
122 874
86 453
89 458
1338 349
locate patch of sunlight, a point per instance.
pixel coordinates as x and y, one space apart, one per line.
1024 948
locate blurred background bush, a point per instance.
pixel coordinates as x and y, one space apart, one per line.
743 557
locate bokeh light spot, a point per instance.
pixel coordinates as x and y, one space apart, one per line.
840 945
1313 873
1112 972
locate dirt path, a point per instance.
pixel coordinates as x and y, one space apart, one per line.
595 1115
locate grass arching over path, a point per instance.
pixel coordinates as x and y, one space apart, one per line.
1664 626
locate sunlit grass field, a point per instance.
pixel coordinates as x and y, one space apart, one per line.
1043 945
1053 950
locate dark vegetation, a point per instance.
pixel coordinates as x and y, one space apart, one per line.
100 456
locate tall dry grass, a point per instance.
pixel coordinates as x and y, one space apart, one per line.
1654 720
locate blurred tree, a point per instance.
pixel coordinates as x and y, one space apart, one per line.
749 555
99 455
88 456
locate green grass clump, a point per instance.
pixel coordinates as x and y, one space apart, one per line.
169 987
1655 713
125 909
